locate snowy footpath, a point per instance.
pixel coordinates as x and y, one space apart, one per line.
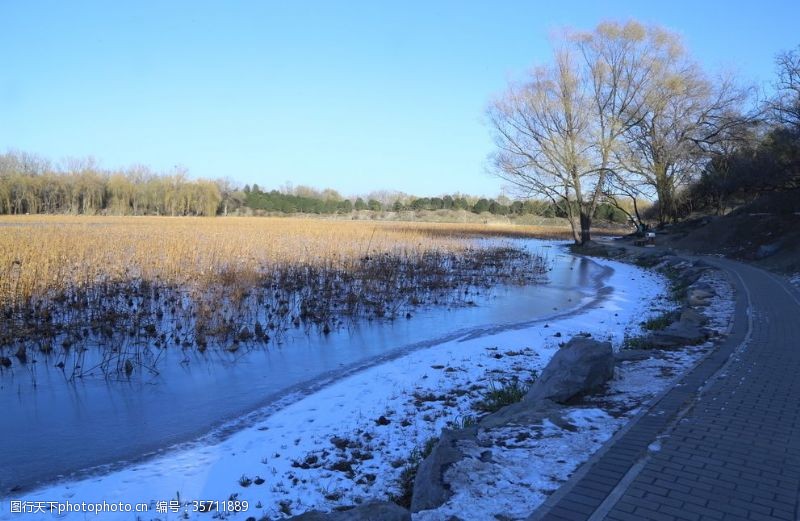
351 441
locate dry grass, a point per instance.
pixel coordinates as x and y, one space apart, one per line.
46 255
128 285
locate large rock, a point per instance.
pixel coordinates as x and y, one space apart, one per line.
675 337
689 276
430 487
699 295
380 511
687 331
522 413
691 317
583 365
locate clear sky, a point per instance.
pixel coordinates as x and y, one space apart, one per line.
354 96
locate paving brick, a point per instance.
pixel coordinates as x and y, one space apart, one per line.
638 502
778 513
591 502
661 500
727 508
596 484
688 498
672 485
582 490
707 513
653 489
571 504
755 516
623 516
652 515
679 513
559 513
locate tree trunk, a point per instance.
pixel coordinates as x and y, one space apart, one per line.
573 224
666 203
586 227
576 234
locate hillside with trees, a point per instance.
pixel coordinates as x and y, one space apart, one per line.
745 202
765 160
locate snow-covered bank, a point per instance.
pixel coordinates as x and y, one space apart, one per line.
525 465
350 441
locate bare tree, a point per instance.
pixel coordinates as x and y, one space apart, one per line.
620 59
786 103
683 117
544 142
559 134
232 196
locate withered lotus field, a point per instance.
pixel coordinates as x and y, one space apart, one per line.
127 287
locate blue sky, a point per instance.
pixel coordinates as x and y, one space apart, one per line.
355 96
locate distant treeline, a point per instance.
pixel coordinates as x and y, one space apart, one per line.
328 202
30 185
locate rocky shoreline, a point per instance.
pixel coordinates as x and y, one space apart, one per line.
581 369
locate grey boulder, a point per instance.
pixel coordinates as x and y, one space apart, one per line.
699 295
430 487
690 317
582 366
687 331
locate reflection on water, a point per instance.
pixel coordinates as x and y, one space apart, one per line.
59 427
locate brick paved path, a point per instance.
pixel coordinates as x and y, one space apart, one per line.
730 430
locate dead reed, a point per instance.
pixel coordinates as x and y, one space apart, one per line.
131 285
